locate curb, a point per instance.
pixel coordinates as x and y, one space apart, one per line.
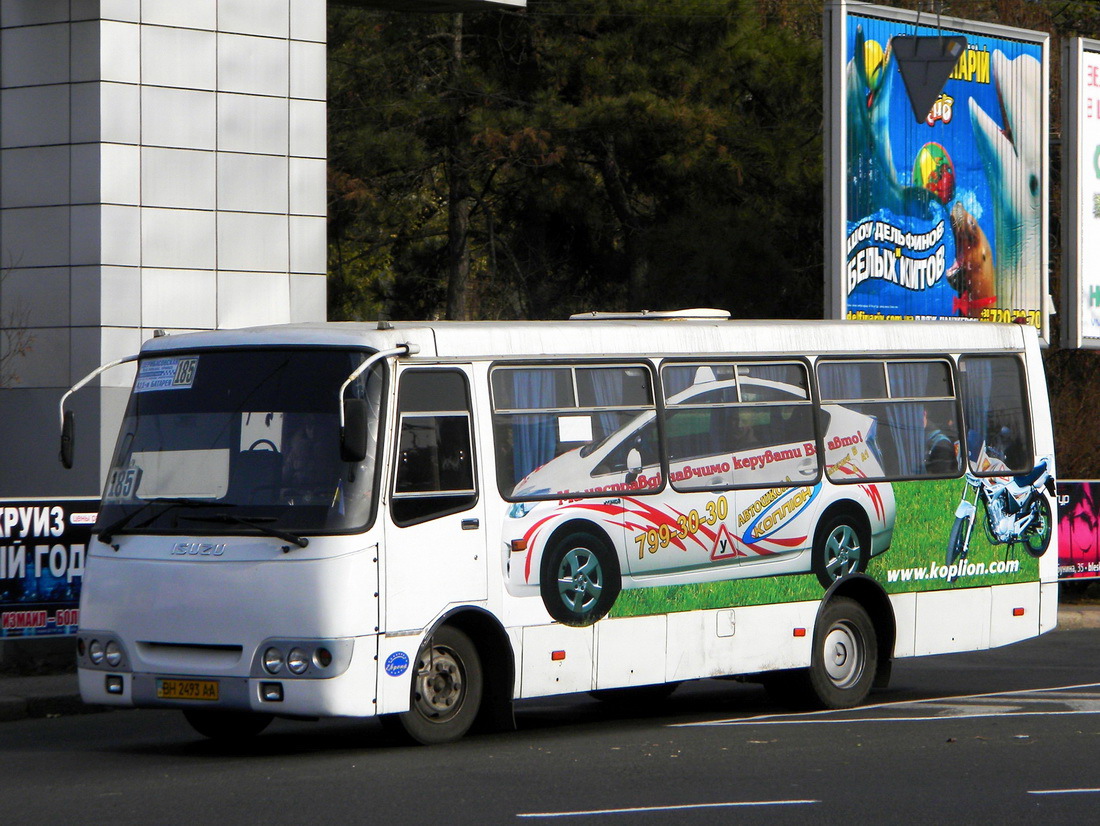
23 708
52 695
1078 616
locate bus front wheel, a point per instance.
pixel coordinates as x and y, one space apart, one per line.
580 579
447 688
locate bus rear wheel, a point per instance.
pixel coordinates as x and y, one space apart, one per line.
447 687
842 665
845 655
226 726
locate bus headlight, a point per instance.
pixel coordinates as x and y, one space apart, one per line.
306 659
297 661
273 661
95 652
113 654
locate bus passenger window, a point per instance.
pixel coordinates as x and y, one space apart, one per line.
435 461
739 425
889 419
569 429
998 433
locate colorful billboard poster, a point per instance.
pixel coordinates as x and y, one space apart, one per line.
42 548
1079 530
1081 194
943 217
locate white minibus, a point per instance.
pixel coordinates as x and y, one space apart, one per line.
427 521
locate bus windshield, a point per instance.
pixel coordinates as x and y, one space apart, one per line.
241 441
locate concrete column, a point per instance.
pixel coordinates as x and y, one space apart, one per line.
162 165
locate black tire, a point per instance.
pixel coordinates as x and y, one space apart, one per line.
841 547
843 665
447 687
1037 536
580 579
226 726
845 655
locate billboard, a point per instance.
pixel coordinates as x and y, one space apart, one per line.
1081 193
941 215
42 549
1078 530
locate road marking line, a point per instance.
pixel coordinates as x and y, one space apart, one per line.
812 716
940 718
1065 791
678 808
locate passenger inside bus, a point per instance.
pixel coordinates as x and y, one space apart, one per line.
310 459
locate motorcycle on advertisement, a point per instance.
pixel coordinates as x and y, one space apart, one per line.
1017 509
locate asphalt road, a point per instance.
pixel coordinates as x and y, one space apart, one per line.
1005 736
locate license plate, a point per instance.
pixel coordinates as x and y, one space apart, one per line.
187 690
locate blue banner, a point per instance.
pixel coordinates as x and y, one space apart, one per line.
42 549
945 214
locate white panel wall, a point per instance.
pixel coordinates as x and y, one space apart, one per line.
162 164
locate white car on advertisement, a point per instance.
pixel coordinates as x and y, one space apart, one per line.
766 510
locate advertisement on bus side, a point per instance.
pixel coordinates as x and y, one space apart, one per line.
645 549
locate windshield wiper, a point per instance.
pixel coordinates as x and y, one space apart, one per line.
256 522
107 534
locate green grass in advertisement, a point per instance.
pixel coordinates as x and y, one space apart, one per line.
915 561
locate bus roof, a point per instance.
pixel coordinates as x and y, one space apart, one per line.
618 337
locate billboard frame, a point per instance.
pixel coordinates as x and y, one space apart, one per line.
1074 302
835 60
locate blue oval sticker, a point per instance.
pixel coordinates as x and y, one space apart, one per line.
397 663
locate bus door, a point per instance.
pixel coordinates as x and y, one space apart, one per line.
435 552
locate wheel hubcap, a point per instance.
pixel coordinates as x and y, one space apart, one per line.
844 655
440 684
580 580
842 552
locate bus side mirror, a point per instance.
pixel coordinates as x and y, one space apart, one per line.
353 438
67 427
633 465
